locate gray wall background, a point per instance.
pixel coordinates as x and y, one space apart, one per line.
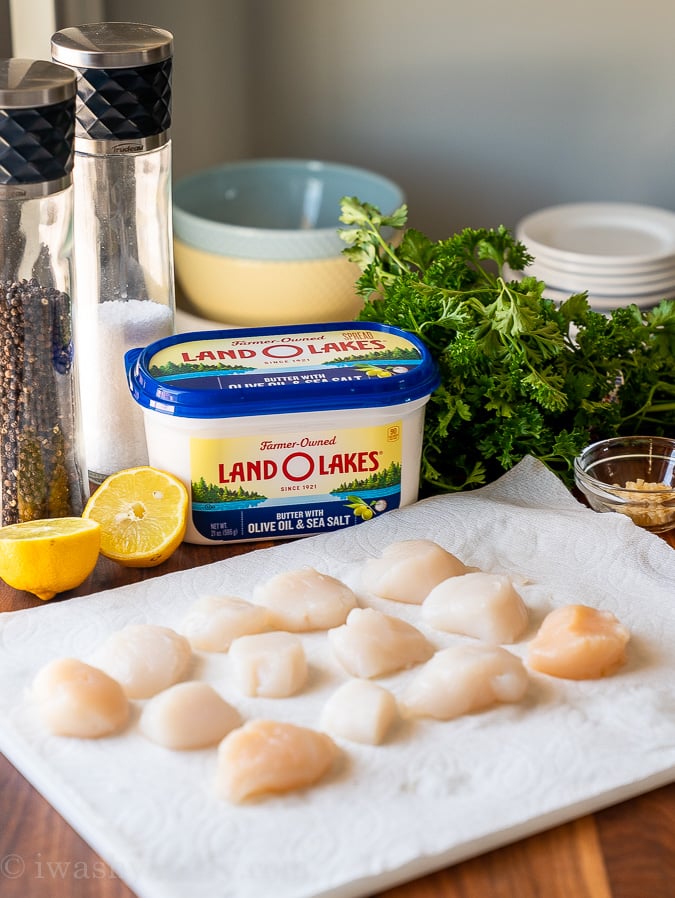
482 111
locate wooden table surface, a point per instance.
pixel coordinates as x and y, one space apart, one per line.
625 851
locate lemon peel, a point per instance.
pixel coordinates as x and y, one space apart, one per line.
49 555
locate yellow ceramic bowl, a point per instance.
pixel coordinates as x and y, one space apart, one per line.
256 241
251 292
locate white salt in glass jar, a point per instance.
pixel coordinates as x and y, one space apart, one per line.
288 431
123 248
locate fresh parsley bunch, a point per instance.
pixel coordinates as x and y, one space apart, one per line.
520 374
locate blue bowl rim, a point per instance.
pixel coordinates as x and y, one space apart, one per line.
280 244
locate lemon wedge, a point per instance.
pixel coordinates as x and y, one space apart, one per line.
143 515
50 555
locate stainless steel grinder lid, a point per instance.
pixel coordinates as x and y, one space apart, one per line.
37 126
124 84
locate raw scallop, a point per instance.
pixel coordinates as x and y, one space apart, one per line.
372 644
188 715
360 711
269 664
577 642
212 622
408 570
304 599
269 756
485 606
144 658
464 678
76 699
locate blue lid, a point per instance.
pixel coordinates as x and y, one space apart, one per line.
281 370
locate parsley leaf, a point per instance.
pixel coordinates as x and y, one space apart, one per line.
520 375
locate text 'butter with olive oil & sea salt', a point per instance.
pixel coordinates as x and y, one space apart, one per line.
286 431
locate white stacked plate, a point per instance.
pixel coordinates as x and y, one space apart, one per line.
620 253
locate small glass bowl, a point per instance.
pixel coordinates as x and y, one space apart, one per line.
634 476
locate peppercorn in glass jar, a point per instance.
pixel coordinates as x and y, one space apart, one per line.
42 468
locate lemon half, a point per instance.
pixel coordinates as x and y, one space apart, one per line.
49 556
143 515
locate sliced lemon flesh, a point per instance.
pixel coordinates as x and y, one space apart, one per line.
50 555
143 515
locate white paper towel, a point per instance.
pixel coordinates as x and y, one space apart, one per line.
437 792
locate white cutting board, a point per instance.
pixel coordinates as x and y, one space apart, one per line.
436 792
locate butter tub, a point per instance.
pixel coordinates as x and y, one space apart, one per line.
287 431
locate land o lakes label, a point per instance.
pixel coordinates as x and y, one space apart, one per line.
292 484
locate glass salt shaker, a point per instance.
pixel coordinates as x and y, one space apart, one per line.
124 279
42 463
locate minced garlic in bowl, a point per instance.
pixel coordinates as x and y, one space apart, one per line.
634 476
